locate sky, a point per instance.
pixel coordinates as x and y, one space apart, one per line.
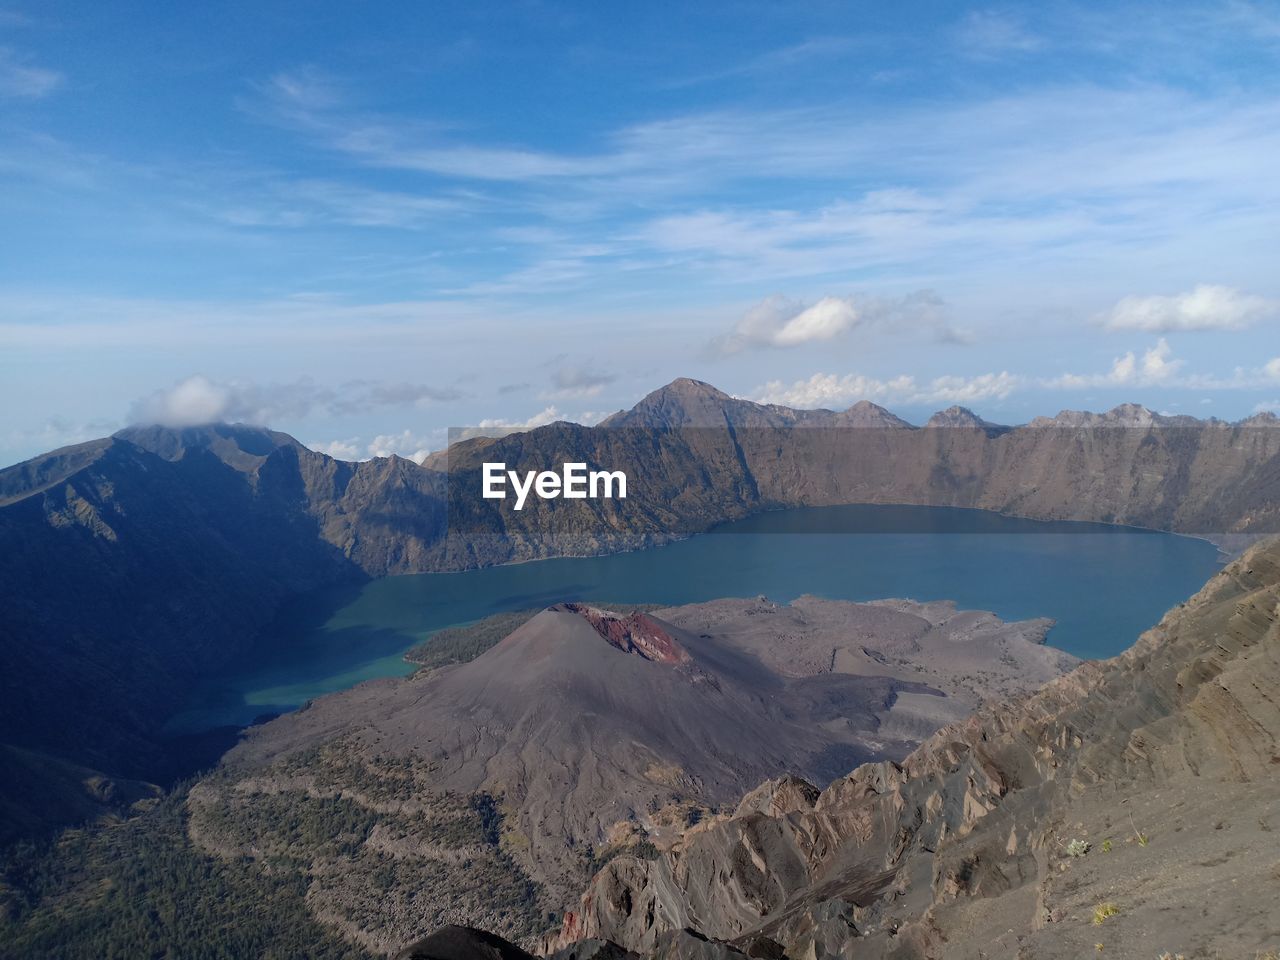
363 224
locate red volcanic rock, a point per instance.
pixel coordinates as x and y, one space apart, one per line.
636 633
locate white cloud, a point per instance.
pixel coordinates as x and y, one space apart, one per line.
21 79
1156 366
1206 307
1158 363
833 391
191 401
404 444
540 419
779 321
1272 369
825 320
340 449
500 426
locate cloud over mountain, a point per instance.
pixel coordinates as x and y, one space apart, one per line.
834 391
1157 365
198 399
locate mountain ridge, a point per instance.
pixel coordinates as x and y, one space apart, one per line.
180 544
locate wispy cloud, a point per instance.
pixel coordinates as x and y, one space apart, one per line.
306 203
996 33
198 399
829 390
1206 307
1078 172
20 78
70 322
56 432
778 62
579 381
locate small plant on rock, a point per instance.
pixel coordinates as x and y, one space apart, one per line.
1077 847
1102 911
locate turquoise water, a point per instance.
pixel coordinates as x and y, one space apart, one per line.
1103 585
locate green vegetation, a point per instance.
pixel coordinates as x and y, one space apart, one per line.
320 846
1077 848
465 643
292 828
1102 912
381 851
141 889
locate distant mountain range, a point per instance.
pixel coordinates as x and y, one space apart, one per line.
133 565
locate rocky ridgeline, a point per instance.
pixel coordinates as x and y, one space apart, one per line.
964 847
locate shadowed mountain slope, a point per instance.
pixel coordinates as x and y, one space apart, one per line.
131 566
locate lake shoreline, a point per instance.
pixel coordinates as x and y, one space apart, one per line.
1017 568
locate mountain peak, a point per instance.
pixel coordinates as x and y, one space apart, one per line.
1131 415
237 444
962 418
688 387
864 413
681 403
1264 418
955 416
1123 415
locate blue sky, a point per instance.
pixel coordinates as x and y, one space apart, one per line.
365 223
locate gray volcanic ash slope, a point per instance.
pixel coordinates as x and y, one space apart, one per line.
1131 804
597 732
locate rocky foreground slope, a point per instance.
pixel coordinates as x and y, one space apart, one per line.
1131 808
487 792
